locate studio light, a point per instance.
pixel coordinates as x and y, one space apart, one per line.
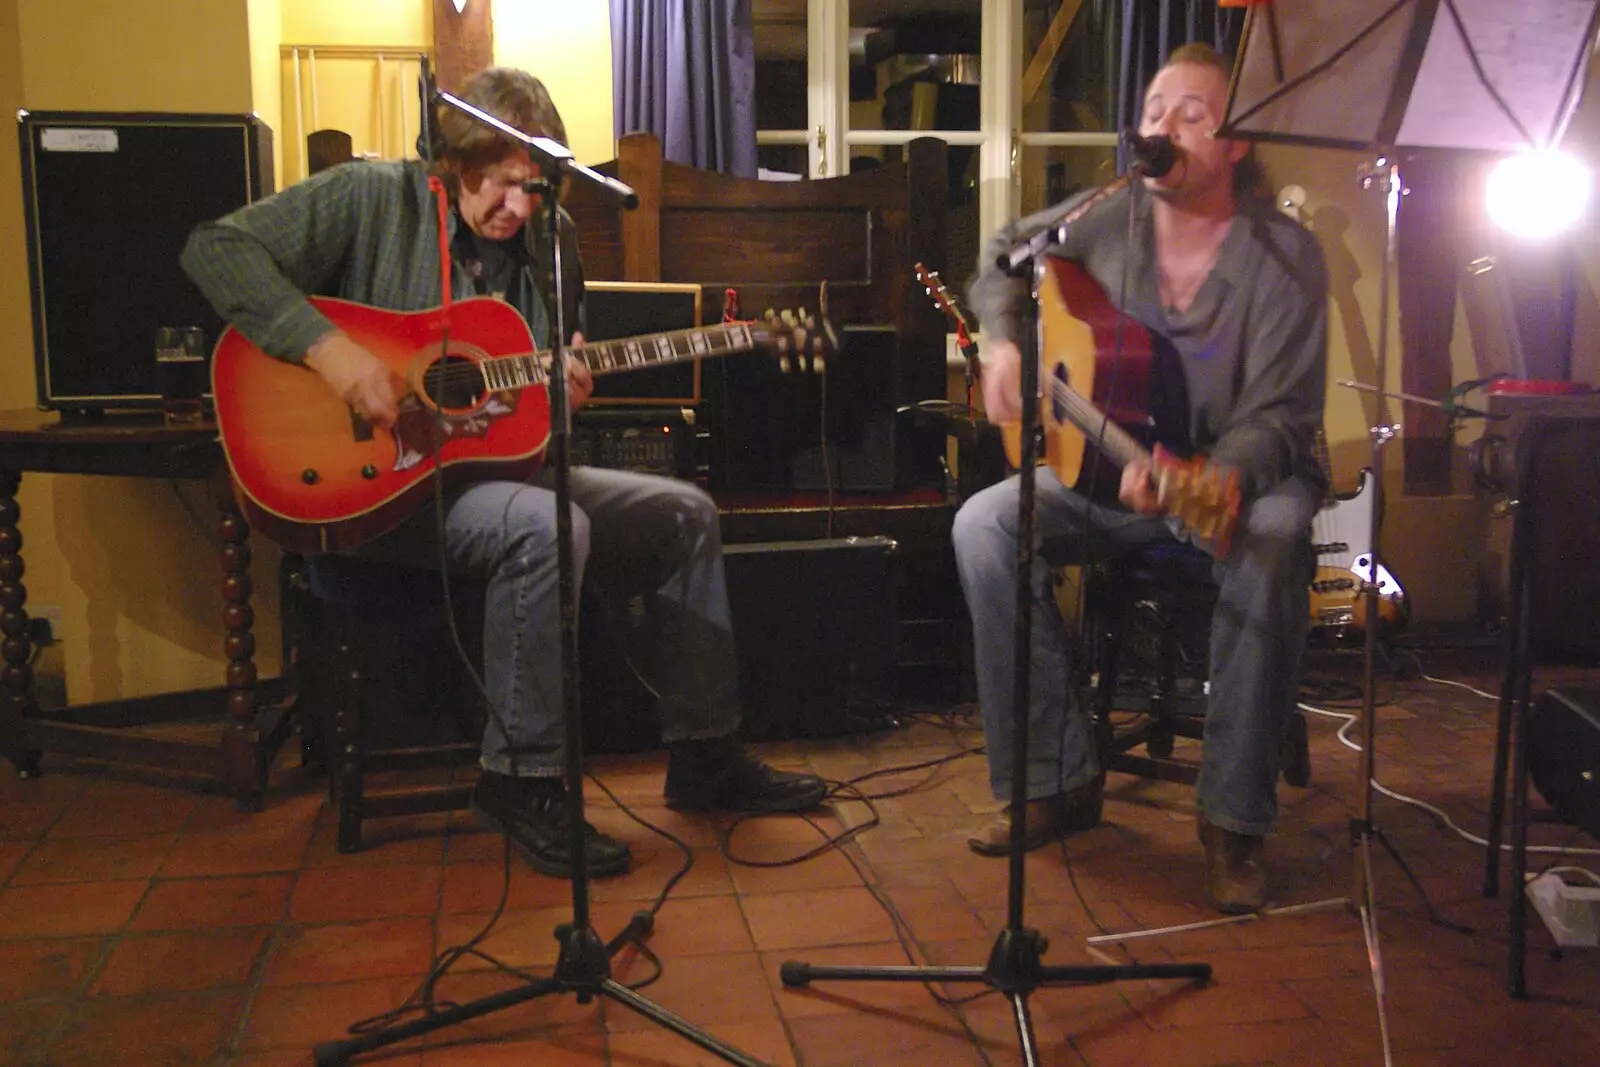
1538 194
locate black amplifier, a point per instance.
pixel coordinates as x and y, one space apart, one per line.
648 440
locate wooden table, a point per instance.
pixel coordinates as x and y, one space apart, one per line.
139 446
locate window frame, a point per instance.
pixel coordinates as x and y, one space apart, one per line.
1000 139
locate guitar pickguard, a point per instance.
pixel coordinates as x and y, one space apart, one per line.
422 431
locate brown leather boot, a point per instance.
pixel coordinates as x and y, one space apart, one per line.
1236 876
1049 818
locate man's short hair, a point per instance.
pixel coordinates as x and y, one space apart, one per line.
1203 54
513 96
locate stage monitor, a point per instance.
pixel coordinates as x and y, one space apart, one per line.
630 309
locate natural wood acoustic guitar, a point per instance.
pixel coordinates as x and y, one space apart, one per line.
1089 349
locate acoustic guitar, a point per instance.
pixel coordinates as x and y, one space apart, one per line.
1089 349
315 477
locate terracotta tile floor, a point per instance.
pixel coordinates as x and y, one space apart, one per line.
144 923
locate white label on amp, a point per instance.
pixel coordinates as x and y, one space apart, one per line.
77 139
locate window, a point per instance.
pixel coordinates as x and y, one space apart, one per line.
1023 92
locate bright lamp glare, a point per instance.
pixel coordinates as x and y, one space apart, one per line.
1538 194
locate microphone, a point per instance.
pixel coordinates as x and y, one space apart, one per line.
1155 152
1153 157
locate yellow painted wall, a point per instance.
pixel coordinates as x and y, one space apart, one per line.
568 47
377 106
135 55
265 23
366 22
44 576
132 564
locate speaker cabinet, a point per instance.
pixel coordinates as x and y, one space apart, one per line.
628 309
814 624
782 425
110 199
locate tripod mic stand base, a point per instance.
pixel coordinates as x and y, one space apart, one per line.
583 968
1015 968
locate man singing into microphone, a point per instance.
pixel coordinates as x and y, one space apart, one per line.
1234 295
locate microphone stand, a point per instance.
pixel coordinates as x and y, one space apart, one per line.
1015 966
583 964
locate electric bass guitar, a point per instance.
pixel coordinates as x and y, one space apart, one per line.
1080 330
1341 534
315 477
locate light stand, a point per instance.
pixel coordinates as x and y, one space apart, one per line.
583 964
1015 966
1436 90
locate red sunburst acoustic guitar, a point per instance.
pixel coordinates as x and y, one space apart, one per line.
314 477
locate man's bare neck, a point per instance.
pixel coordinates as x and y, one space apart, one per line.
1195 227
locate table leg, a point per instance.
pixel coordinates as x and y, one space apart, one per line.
16 676
243 765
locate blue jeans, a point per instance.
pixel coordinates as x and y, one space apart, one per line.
1257 634
646 537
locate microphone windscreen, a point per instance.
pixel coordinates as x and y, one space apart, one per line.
1155 152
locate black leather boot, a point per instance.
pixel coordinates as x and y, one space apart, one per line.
533 813
719 774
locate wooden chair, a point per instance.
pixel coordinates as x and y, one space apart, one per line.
383 686
1157 602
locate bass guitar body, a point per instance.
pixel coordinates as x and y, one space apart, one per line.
1341 533
1088 345
315 477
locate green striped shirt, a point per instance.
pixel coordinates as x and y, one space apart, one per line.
367 232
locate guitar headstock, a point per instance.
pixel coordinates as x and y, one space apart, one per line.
1203 496
942 299
804 340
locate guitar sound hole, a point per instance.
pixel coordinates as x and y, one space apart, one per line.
1058 406
454 384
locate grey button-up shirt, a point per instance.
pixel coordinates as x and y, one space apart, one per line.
1251 348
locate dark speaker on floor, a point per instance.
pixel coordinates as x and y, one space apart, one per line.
815 626
1564 753
110 199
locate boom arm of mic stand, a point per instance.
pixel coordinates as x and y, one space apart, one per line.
554 158
1019 258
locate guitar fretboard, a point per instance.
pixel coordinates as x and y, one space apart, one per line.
1100 431
629 353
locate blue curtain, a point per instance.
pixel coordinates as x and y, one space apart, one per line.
1150 30
685 71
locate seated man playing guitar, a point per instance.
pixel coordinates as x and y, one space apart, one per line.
1234 295
375 233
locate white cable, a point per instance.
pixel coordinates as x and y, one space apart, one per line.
1350 720
1586 872
1446 681
1461 685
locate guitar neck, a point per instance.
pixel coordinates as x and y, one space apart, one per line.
1112 440
630 353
